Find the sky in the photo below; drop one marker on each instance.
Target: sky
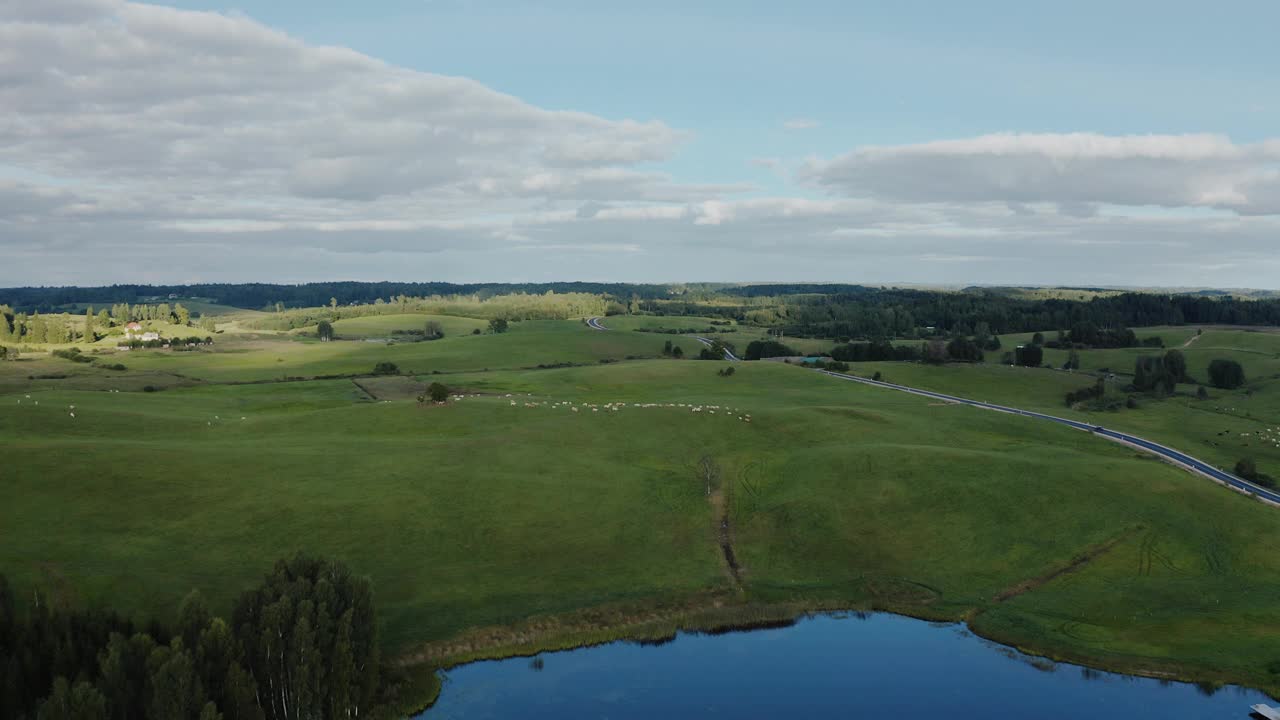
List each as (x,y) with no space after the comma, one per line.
(1127,143)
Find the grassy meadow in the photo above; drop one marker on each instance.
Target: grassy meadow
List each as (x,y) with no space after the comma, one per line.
(536,493)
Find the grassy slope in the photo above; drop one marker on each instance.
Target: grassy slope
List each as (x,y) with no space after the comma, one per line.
(739,338)
(382,325)
(1224,428)
(528,344)
(483,513)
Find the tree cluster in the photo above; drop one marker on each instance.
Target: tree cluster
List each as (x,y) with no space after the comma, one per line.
(1247,468)
(1029,355)
(1097,391)
(1226,374)
(303,644)
(1160,373)
(759,349)
(963,349)
(874,351)
(386,368)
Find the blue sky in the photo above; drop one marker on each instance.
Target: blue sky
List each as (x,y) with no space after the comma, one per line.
(777,104)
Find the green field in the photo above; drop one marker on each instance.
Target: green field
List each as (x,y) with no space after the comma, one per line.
(738,335)
(382,326)
(507,505)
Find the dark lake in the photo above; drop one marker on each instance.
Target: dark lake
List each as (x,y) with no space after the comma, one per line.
(875,666)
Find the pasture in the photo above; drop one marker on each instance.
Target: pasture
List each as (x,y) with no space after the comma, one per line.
(534,492)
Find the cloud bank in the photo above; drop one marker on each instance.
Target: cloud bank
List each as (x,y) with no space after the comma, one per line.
(155,144)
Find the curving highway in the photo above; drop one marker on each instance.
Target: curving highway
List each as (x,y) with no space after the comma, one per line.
(594,324)
(728,355)
(1167,453)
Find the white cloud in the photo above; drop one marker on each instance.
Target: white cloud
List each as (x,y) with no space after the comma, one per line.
(129,93)
(800,124)
(1074,170)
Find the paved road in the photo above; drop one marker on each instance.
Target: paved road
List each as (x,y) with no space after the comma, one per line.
(1178,458)
(727,354)
(594,324)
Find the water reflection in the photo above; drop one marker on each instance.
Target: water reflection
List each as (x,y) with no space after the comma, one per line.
(837,666)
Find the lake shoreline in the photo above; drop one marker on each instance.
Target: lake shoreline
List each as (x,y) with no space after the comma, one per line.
(719,613)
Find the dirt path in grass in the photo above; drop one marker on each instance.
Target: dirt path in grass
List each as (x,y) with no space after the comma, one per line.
(1190,340)
(1078,562)
(724,536)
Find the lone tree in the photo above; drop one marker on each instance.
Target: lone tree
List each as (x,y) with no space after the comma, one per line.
(437,392)
(324,331)
(498,325)
(1226,374)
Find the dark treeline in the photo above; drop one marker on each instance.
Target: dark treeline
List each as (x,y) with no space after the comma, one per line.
(874,351)
(851,311)
(260,295)
(870,313)
(301,645)
(760,349)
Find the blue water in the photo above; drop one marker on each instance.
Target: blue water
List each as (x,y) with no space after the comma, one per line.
(876,666)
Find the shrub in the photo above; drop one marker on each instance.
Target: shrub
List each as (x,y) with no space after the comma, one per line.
(726,372)
(386,368)
(1247,468)
(72,354)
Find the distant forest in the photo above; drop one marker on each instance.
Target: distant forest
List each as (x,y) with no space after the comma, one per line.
(871,313)
(808,310)
(258,296)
